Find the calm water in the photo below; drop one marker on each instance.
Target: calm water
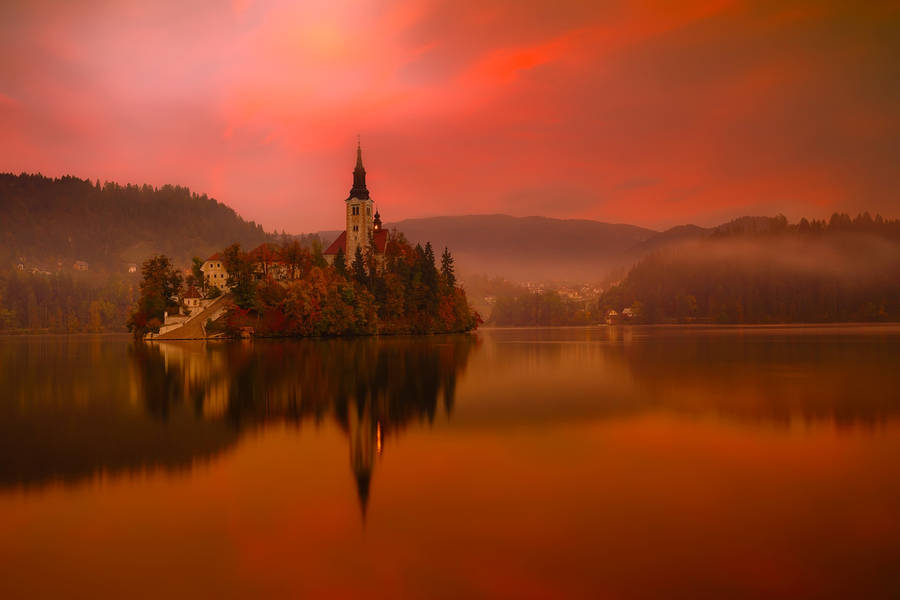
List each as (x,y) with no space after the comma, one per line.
(606,462)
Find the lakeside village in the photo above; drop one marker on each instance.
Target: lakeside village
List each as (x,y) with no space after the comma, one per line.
(368,281)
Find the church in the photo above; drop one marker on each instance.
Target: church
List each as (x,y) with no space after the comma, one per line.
(363,228)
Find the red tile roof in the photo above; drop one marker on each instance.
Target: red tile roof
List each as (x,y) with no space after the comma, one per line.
(216,256)
(381,237)
(339,243)
(380,240)
(192,293)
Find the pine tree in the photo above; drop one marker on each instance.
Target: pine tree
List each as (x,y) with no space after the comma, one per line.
(447,269)
(340,263)
(359,267)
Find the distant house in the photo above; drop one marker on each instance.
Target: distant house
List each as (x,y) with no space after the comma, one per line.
(132,268)
(627,313)
(612,317)
(80,265)
(20,266)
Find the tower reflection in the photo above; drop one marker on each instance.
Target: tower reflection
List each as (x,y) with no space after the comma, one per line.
(371,388)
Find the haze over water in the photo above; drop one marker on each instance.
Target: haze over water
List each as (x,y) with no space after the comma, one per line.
(588,462)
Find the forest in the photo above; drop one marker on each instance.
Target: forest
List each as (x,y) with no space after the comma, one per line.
(547,308)
(759,270)
(64,302)
(407,293)
(49,223)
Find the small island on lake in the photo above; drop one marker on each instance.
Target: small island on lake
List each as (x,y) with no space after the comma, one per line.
(369,281)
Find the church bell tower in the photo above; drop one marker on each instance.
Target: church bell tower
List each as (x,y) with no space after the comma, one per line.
(359,210)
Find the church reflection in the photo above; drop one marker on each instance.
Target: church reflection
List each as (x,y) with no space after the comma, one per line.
(371,388)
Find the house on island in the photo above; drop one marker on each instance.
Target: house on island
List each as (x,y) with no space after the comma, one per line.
(214,272)
(267,262)
(363,223)
(191,298)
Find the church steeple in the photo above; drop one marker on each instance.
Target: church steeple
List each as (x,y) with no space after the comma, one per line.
(359,189)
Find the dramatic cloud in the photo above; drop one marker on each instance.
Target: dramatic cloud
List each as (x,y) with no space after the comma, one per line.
(653,113)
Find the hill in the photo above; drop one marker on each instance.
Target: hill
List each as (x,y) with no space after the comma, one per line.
(525,248)
(765,270)
(50,222)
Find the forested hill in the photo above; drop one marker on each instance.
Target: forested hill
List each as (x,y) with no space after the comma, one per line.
(48,221)
(765,270)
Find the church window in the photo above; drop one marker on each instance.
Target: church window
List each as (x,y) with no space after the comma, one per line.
(354,210)
(356,228)
(368,210)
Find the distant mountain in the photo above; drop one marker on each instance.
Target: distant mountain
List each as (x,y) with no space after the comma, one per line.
(525,248)
(664,239)
(44,222)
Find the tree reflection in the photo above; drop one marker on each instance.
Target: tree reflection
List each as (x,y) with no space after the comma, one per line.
(371,388)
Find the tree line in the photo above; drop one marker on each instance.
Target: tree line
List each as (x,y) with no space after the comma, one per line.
(64,302)
(545,308)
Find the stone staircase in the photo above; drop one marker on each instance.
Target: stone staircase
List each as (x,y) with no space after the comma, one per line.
(194,328)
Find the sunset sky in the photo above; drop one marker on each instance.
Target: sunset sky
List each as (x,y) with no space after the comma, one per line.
(653,113)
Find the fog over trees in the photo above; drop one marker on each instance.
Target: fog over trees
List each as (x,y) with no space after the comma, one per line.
(759,270)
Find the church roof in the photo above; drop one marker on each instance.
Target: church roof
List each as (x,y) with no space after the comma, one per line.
(380,240)
(341,242)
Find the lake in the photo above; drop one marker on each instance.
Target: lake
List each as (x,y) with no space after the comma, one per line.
(625,462)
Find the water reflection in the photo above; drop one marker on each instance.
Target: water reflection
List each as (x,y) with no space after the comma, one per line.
(845,376)
(371,388)
(604,462)
(75,407)
(78,408)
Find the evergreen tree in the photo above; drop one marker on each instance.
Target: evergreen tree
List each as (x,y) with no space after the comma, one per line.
(359,267)
(160,286)
(340,263)
(447,271)
(196,277)
(318,258)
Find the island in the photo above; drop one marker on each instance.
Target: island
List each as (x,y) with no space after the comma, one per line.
(369,281)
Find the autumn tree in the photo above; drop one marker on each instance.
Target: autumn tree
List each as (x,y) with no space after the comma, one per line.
(240,276)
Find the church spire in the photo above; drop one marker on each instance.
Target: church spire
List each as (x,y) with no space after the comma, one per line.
(359,189)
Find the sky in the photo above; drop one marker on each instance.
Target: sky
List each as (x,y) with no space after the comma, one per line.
(651,113)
